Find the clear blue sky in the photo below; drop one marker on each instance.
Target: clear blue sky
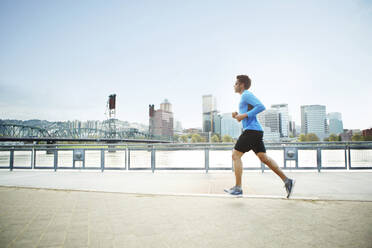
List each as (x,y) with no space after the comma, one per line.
(59,60)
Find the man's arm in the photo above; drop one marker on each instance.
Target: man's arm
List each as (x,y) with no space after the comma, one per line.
(257,107)
(241,117)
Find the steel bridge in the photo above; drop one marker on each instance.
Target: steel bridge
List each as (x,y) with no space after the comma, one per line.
(16,132)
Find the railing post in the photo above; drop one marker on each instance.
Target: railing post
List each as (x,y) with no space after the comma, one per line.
(33,158)
(11,162)
(128,158)
(102,160)
(319,158)
(349,156)
(55,159)
(206,159)
(346,163)
(84,159)
(153,159)
(296,158)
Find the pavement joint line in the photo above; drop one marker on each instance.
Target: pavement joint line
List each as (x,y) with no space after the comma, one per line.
(43,233)
(22,231)
(193,195)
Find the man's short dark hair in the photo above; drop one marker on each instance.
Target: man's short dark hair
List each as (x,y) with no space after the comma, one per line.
(244,79)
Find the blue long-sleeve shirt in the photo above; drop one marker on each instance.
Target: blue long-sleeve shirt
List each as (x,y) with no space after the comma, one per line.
(250,105)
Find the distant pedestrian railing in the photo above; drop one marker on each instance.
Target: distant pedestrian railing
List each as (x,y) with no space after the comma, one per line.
(184,156)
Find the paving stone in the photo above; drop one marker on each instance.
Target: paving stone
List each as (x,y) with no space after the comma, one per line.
(133,220)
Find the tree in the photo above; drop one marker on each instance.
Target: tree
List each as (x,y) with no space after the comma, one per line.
(184,138)
(226,138)
(367,138)
(215,138)
(312,137)
(176,138)
(357,137)
(195,138)
(302,138)
(333,137)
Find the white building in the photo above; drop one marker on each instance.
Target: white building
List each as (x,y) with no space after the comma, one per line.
(270,136)
(177,126)
(270,122)
(230,126)
(166,106)
(209,104)
(313,120)
(335,123)
(209,114)
(283,118)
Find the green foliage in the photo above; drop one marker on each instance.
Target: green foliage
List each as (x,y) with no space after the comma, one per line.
(312,137)
(227,138)
(302,138)
(184,138)
(195,138)
(357,137)
(333,137)
(215,138)
(308,137)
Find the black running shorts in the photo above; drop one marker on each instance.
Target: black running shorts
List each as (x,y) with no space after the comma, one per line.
(250,140)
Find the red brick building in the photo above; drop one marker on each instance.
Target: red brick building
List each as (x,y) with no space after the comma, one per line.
(161,120)
(367,132)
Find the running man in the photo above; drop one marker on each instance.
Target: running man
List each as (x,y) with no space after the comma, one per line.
(251,138)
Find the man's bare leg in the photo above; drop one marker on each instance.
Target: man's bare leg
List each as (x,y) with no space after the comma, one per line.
(288,183)
(238,166)
(271,164)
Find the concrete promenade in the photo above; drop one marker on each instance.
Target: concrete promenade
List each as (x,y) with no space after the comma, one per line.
(183,209)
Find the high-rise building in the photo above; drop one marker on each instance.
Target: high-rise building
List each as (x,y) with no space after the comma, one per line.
(230,126)
(270,136)
(270,122)
(335,123)
(166,106)
(161,120)
(209,113)
(177,126)
(270,118)
(292,129)
(217,123)
(283,118)
(209,103)
(313,120)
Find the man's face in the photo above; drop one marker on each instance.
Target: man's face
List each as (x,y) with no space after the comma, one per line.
(237,86)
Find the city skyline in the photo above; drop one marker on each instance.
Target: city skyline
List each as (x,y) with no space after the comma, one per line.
(61,60)
(217,112)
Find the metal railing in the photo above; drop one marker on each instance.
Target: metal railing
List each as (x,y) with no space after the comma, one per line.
(208,156)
